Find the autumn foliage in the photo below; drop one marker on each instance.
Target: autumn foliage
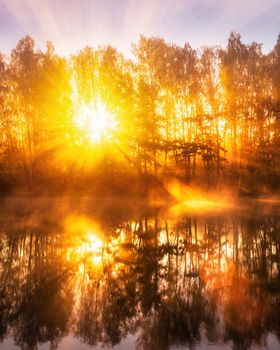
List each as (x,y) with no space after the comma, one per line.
(208,116)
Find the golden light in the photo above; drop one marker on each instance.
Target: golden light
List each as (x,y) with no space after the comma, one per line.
(93,247)
(94,120)
(85,238)
(221,123)
(89,249)
(191,200)
(94,243)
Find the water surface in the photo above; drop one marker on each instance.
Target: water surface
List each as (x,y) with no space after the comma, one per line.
(138,278)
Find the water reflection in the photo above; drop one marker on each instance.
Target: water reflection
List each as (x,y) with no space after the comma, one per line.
(156,281)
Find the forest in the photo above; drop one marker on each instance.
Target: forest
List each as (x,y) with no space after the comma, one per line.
(97,121)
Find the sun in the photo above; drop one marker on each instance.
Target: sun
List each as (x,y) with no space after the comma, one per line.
(95,121)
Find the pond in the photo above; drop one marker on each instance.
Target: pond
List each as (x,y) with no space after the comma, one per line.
(130,276)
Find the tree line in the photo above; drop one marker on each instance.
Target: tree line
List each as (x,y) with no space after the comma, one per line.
(207,116)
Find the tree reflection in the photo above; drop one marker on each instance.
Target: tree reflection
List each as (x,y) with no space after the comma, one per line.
(43,310)
(168,282)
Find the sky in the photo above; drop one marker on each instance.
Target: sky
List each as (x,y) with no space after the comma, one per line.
(73,24)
